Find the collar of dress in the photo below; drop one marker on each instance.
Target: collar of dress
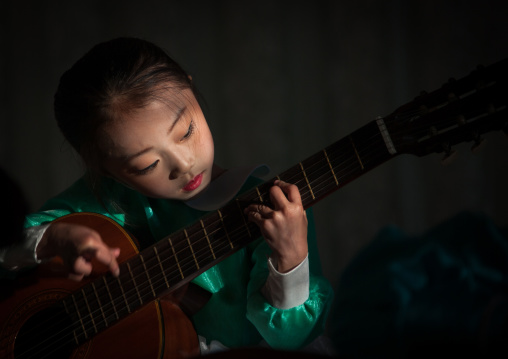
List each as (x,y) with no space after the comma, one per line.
(225,187)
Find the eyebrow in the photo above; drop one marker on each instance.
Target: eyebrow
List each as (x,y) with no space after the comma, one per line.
(175,121)
(177,118)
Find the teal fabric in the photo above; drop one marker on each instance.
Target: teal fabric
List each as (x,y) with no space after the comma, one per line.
(442,292)
(237,314)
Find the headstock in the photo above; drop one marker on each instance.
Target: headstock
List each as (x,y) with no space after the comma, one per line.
(460,111)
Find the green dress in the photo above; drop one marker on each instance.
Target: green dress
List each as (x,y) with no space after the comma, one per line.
(237,314)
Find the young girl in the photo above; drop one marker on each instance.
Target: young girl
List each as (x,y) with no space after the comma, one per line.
(132,114)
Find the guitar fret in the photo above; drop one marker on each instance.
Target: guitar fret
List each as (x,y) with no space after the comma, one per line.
(147,275)
(123,295)
(192,249)
(307,180)
(356,152)
(134,281)
(176,258)
(110,297)
(386,136)
(259,195)
(89,310)
(162,268)
(207,238)
(79,316)
(225,230)
(75,337)
(100,304)
(243,217)
(331,168)
(66,308)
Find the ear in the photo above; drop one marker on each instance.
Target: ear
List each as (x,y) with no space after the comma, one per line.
(190,77)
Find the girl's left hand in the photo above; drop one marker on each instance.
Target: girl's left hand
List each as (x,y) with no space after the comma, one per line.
(284,227)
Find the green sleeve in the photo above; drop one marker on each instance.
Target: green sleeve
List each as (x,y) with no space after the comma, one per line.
(123,205)
(292,328)
(76,198)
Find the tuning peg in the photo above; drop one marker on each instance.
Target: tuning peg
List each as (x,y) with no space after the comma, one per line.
(461,120)
(450,154)
(449,157)
(479,142)
(452,97)
(478,146)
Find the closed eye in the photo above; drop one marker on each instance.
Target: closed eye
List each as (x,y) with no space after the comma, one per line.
(190,131)
(147,169)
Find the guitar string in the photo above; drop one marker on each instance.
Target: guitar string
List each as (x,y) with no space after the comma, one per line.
(303,196)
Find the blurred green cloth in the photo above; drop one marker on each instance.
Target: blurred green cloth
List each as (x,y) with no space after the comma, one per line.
(442,292)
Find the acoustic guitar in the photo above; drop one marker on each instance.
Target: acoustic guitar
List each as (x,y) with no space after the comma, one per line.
(45,316)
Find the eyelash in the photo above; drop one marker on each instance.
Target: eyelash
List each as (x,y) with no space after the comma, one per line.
(190,131)
(147,169)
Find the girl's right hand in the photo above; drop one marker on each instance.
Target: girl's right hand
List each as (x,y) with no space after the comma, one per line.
(77,245)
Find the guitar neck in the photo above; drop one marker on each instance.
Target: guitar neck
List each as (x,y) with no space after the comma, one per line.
(338,164)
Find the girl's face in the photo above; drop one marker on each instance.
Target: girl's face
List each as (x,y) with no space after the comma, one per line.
(162,150)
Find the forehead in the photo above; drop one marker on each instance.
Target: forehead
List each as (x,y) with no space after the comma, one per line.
(173,97)
(137,127)
(123,105)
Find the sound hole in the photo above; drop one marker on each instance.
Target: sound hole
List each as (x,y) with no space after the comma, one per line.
(47,334)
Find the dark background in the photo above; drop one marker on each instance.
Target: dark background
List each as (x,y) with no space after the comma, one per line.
(282,80)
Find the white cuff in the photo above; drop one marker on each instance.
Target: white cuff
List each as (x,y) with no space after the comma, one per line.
(287,290)
(23,254)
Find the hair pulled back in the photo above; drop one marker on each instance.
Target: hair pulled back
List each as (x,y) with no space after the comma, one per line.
(113,78)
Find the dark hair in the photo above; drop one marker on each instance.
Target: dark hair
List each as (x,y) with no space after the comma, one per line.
(113,78)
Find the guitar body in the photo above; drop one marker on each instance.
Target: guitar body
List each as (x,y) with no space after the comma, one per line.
(158,329)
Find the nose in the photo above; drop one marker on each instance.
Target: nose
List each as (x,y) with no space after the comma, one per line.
(180,164)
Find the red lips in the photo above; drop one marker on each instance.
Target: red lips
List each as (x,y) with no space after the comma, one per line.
(194,183)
